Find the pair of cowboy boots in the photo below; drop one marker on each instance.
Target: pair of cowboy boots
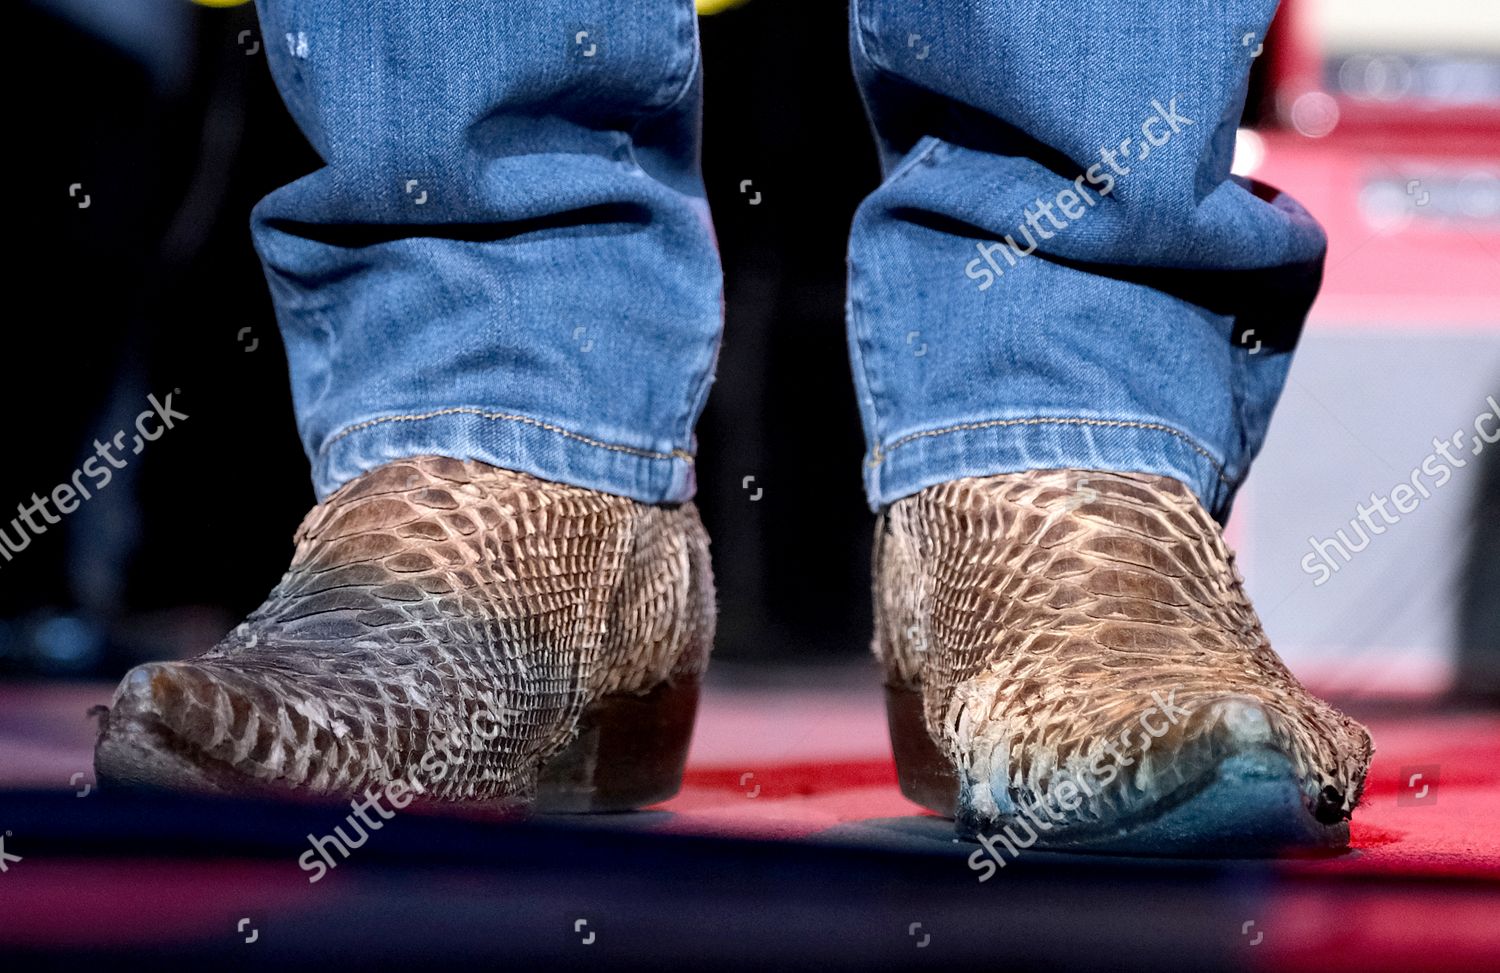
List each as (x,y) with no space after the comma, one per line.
(1090,670)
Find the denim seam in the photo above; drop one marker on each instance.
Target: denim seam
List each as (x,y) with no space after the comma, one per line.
(856,14)
(1238,386)
(881,453)
(507,417)
(862,334)
(695,66)
(917,158)
(684,86)
(699,397)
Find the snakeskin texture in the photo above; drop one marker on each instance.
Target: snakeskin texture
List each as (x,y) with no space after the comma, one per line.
(428,600)
(1039,612)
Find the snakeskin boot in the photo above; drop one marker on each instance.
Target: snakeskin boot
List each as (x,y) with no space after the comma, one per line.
(484,635)
(1072,663)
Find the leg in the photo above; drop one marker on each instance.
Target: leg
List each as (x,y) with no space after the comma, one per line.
(500,301)
(507,255)
(1069,326)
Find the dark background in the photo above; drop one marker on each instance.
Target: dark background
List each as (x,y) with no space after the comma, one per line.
(150,288)
(174,130)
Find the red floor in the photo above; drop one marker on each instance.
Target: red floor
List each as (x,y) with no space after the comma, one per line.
(797,763)
(803,761)
(813,763)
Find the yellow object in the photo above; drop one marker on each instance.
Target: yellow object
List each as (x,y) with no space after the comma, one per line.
(221,3)
(706,7)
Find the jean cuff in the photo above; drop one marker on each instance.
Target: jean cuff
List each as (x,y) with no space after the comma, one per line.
(521,443)
(911,462)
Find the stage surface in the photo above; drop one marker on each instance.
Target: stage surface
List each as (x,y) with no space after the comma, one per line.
(789,846)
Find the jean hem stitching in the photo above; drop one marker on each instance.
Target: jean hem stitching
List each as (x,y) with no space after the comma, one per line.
(508,417)
(687,82)
(881,453)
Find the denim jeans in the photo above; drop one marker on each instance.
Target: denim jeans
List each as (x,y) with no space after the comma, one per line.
(507,255)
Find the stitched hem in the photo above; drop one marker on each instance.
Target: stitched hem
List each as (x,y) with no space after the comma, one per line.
(879,454)
(912,462)
(681,454)
(510,441)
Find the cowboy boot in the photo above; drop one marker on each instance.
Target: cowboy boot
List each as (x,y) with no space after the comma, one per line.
(546,640)
(1075,665)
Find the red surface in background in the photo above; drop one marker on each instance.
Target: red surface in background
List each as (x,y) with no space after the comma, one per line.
(1402,273)
(792,764)
(1410,272)
(1448,834)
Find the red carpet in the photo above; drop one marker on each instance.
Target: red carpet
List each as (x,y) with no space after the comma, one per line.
(798,763)
(809,767)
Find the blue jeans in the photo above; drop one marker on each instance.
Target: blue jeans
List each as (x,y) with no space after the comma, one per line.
(508,256)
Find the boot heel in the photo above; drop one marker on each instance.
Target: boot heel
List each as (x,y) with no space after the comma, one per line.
(925,775)
(630,752)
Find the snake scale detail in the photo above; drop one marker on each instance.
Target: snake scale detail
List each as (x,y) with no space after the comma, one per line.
(428,598)
(1040,614)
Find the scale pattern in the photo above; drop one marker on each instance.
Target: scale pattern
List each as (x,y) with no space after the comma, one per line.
(432,607)
(1038,613)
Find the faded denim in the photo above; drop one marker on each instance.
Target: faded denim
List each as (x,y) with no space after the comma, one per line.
(507,255)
